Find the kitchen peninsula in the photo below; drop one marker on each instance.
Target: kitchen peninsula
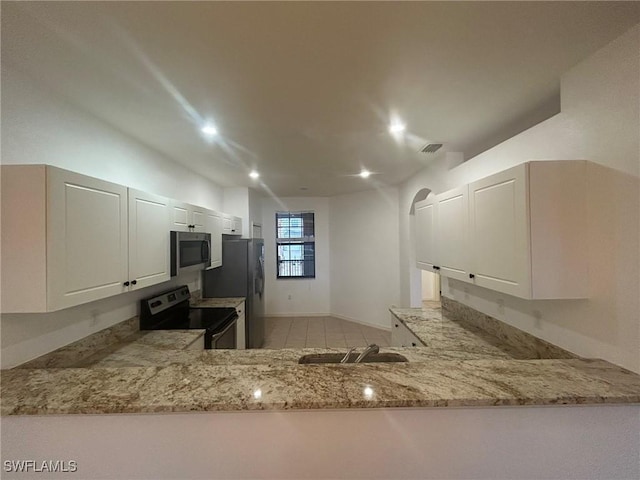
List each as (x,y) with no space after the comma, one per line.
(461,365)
(144,388)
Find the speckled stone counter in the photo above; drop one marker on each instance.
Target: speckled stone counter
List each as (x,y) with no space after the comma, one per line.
(182,388)
(458,367)
(227,302)
(466,340)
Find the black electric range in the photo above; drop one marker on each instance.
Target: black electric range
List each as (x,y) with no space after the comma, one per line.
(170,310)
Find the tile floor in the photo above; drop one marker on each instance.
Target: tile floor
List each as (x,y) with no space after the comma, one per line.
(300,332)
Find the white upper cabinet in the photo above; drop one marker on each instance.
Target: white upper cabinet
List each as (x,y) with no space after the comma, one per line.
(86,239)
(149,252)
(213,225)
(69,239)
(452,242)
(198,219)
(520,231)
(236,226)
(442,233)
(425,218)
(187,218)
(231,225)
(499,229)
(64,239)
(227,222)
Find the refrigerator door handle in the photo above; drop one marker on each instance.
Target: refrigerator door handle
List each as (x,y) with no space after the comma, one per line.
(260,279)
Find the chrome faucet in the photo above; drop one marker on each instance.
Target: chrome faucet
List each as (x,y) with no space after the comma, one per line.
(373,348)
(345,359)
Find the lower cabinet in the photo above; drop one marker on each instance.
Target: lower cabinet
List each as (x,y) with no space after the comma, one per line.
(241,342)
(401,336)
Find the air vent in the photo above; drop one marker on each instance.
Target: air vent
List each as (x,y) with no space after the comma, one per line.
(431,148)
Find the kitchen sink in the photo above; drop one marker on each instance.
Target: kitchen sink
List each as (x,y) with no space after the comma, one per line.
(336,357)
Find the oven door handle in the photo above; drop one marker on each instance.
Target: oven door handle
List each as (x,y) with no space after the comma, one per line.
(216,336)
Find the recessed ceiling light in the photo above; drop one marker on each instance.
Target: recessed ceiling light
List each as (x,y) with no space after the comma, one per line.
(254,174)
(397,127)
(365,173)
(209,129)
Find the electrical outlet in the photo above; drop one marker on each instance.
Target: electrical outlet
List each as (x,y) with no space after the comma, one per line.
(289,297)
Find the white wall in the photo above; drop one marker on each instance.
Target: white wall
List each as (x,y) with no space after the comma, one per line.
(38,127)
(563,442)
(430,286)
(245,203)
(296,297)
(255,210)
(365,255)
(600,121)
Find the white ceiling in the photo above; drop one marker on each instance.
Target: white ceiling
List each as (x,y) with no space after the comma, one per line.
(304,92)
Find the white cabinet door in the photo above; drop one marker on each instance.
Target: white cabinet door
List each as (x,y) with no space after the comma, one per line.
(452,218)
(149,226)
(236,226)
(241,342)
(401,336)
(87,245)
(425,218)
(187,218)
(397,332)
(213,225)
(499,232)
(180,220)
(198,219)
(227,224)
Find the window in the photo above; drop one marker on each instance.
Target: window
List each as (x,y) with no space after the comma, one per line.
(295,238)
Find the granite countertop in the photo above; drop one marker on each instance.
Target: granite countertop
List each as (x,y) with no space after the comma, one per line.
(146,348)
(226,302)
(457,367)
(183,388)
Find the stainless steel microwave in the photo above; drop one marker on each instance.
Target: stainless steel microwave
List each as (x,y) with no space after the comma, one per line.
(190,251)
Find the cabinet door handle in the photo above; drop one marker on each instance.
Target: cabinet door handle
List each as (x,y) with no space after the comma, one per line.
(396,325)
(472,276)
(435,267)
(133,282)
(126,284)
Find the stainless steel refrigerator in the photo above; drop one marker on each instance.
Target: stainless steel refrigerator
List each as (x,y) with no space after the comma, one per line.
(241,275)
